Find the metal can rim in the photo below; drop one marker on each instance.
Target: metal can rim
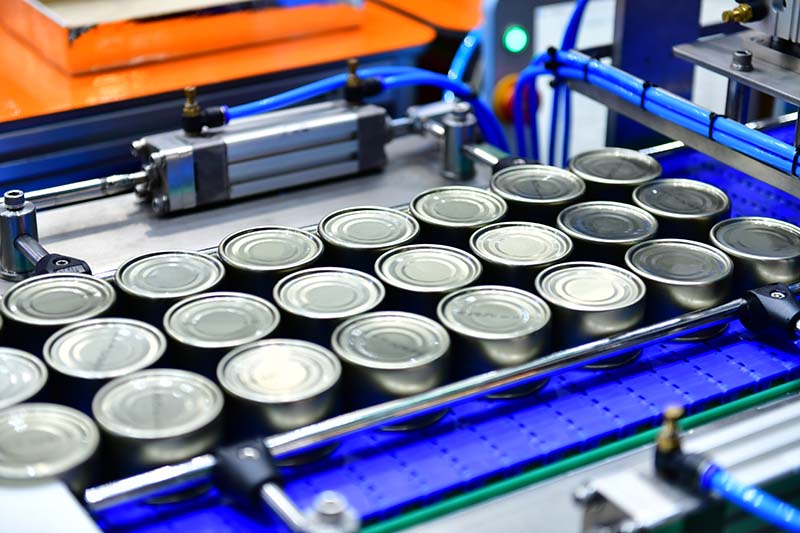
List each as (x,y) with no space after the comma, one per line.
(774,222)
(506,195)
(415,288)
(372,280)
(572,233)
(40,367)
(578,307)
(473,240)
(699,185)
(424,217)
(617,152)
(667,281)
(216,263)
(330,239)
(250,268)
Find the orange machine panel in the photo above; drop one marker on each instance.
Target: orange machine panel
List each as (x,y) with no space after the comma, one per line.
(31,86)
(453,15)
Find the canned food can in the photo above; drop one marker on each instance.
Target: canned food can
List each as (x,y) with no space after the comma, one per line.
(157,417)
(591,301)
(613,173)
(278,385)
(495,327)
(417,276)
(85,356)
(43,440)
(256,258)
(37,307)
(203,328)
(314,301)
(22,376)
(449,215)
(513,253)
(764,250)
(391,354)
(603,231)
(685,209)
(682,276)
(153,282)
(537,193)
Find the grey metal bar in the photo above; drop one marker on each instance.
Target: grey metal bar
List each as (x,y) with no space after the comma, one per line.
(276,499)
(484,153)
(82,191)
(30,248)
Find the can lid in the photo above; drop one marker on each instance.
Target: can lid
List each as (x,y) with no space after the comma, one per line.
(21,376)
(428,268)
(681,198)
(39,440)
(586,286)
(619,166)
(390,340)
(493,312)
(678,261)
(368,228)
(520,244)
(57,299)
(278,371)
(609,222)
(220,320)
(269,248)
(458,207)
(156,404)
(328,293)
(104,348)
(169,274)
(757,238)
(537,184)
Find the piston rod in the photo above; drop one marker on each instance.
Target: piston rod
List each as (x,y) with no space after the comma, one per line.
(169,477)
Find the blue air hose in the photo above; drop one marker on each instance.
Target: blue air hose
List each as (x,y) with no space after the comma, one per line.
(463,58)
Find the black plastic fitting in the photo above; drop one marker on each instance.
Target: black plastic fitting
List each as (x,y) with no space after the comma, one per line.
(212,117)
(773,310)
(61,264)
(242,469)
(355,94)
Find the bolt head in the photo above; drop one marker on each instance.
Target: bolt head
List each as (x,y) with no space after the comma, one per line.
(248,452)
(778,295)
(14,199)
(61,262)
(160,204)
(330,503)
(742,60)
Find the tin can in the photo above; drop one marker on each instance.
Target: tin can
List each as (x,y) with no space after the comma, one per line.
(157,417)
(613,173)
(203,328)
(37,307)
(278,385)
(22,376)
(682,276)
(391,354)
(603,231)
(591,301)
(357,236)
(417,276)
(495,327)
(85,356)
(314,301)
(764,250)
(43,440)
(153,282)
(685,209)
(537,193)
(513,253)
(256,258)
(449,215)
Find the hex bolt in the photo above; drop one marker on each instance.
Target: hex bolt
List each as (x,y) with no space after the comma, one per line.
(332,513)
(778,295)
(14,199)
(742,61)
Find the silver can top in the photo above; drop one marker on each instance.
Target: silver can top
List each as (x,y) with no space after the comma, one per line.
(21,376)
(607,222)
(390,340)
(278,371)
(586,286)
(428,268)
(678,261)
(493,312)
(220,320)
(326,293)
(40,440)
(57,299)
(270,248)
(617,166)
(537,184)
(169,274)
(757,238)
(104,348)
(157,404)
(370,228)
(520,244)
(458,207)
(681,198)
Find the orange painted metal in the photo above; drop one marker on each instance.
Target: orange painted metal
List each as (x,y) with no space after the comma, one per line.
(451,15)
(31,86)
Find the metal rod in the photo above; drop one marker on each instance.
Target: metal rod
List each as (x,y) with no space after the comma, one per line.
(737,103)
(276,499)
(82,191)
(321,433)
(30,248)
(484,153)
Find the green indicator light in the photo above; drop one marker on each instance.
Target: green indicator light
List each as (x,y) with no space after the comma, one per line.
(515,39)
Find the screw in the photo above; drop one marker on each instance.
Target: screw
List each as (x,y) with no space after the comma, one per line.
(330,504)
(778,295)
(14,199)
(461,111)
(742,60)
(61,262)
(160,204)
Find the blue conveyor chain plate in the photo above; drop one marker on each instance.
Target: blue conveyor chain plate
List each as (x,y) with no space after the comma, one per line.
(384,473)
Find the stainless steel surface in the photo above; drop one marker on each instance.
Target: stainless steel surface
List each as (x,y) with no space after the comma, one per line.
(612,173)
(782,20)
(17,218)
(737,101)
(22,376)
(537,193)
(460,127)
(274,497)
(756,169)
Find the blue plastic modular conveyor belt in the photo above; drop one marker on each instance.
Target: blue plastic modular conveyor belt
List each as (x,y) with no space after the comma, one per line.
(383,473)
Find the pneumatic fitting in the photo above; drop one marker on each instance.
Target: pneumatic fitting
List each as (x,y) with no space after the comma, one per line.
(194,119)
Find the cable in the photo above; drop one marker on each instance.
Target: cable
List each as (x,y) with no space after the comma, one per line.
(463,58)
